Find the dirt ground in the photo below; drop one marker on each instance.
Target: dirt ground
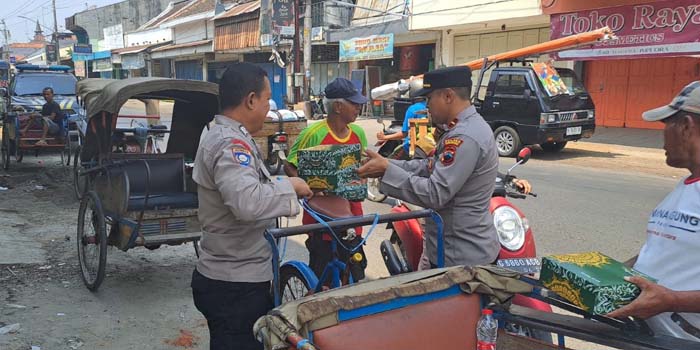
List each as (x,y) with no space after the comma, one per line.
(145,297)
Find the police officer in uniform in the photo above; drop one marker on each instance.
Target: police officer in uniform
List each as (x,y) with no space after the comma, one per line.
(238,200)
(457,181)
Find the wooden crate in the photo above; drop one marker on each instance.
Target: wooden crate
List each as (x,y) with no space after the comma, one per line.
(292,128)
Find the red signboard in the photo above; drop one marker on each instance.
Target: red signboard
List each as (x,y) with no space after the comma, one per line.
(662,28)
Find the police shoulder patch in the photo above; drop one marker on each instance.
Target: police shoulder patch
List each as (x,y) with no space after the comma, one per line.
(453,141)
(241,155)
(242,144)
(448,155)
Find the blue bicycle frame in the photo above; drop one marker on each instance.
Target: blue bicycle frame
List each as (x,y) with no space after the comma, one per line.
(272,235)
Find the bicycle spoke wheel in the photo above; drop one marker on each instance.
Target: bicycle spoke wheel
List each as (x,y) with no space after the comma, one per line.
(92,241)
(293,285)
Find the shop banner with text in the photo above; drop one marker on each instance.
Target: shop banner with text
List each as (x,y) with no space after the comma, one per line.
(368,48)
(661,28)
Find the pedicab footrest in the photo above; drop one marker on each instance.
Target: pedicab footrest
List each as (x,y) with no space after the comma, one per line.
(181,200)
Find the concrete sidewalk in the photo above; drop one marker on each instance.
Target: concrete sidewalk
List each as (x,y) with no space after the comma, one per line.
(628,137)
(618,149)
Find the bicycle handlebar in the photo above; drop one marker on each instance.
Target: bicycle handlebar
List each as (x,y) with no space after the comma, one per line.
(341,224)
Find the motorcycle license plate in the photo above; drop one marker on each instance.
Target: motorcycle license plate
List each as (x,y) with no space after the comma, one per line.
(522,265)
(279,147)
(575,130)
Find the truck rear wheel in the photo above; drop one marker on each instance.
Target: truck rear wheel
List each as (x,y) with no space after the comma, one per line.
(507,141)
(553,146)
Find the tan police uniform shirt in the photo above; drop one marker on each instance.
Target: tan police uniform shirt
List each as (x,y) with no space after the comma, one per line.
(458,183)
(238,200)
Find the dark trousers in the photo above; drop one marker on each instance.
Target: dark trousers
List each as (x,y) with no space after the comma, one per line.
(231,309)
(320,254)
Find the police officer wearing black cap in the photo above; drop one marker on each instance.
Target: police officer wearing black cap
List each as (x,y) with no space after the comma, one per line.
(457,181)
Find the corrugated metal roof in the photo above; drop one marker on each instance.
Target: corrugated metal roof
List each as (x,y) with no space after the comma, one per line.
(165,15)
(130,49)
(180,46)
(139,48)
(198,6)
(240,9)
(238,35)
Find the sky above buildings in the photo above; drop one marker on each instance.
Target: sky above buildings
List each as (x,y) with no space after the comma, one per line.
(22,29)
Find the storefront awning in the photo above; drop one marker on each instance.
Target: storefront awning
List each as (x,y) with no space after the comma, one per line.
(78,57)
(102,65)
(102,55)
(133,61)
(99,55)
(131,49)
(194,47)
(397,27)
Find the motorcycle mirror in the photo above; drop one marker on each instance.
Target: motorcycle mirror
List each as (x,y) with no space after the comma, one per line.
(524,155)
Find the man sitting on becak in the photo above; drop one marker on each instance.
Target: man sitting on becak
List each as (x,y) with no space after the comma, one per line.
(343,103)
(50,119)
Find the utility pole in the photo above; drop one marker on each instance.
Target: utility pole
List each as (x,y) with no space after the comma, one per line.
(297,52)
(6,45)
(307,50)
(55,33)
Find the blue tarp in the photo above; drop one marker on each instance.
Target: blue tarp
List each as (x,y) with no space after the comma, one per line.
(101,54)
(91,56)
(77,57)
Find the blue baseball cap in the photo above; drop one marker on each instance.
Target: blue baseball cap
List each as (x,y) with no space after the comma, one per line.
(345,89)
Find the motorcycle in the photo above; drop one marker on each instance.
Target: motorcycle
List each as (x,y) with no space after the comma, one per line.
(277,147)
(402,251)
(318,111)
(387,147)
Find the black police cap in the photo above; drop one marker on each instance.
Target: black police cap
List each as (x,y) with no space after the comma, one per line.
(450,77)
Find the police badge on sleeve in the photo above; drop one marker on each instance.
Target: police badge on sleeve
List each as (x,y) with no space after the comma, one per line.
(242,156)
(450,150)
(241,152)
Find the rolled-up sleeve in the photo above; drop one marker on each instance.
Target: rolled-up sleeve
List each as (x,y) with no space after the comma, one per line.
(249,198)
(437,190)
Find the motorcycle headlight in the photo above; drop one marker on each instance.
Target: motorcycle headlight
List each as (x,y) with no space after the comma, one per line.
(510,227)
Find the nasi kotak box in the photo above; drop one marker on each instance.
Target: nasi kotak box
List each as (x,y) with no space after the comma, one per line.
(333,169)
(592,281)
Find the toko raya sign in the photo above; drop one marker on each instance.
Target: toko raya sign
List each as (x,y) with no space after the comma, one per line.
(663,28)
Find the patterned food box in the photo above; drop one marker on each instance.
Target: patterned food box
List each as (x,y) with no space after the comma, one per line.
(592,281)
(333,169)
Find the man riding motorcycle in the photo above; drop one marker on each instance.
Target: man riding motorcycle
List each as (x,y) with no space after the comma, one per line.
(418,110)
